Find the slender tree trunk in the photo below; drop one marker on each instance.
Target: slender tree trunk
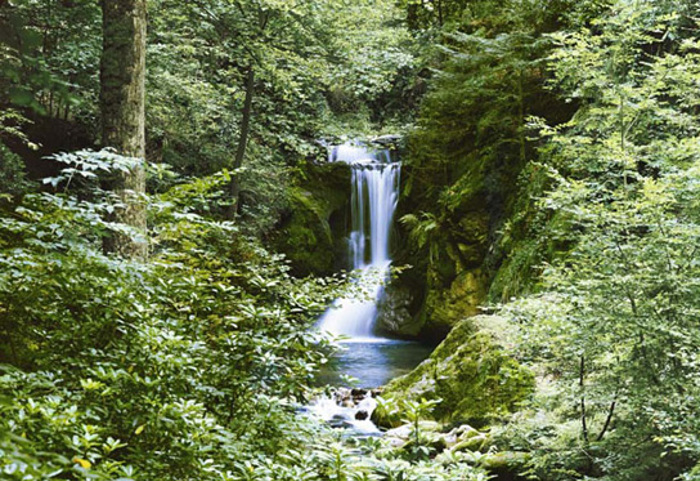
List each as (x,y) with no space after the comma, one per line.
(412,16)
(234,186)
(608,419)
(582,373)
(122,98)
(521,118)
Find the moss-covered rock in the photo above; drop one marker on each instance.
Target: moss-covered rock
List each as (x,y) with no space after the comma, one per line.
(454,282)
(313,228)
(506,465)
(444,308)
(472,372)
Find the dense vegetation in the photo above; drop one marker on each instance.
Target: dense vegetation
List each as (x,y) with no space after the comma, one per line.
(152,327)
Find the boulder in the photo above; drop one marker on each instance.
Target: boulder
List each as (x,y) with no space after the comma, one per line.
(506,465)
(473,374)
(394,317)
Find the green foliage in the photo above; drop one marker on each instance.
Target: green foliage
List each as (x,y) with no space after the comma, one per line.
(614,331)
(188,366)
(199,54)
(145,371)
(50,55)
(555,154)
(377,64)
(471,142)
(12,176)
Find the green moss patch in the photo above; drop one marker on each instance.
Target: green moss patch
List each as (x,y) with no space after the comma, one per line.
(472,372)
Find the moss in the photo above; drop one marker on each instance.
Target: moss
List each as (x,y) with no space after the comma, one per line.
(312,231)
(307,238)
(472,372)
(445,308)
(506,465)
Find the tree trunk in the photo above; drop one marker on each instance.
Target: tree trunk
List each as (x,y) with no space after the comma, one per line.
(122,98)
(412,19)
(234,186)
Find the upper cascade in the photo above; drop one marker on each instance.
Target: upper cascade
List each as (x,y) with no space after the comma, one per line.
(357,153)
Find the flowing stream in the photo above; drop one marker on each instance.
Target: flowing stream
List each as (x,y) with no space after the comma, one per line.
(370,359)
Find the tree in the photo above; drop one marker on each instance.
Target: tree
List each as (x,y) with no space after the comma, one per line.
(257,36)
(615,326)
(122,95)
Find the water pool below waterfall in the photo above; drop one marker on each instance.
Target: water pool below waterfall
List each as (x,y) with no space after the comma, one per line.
(375,363)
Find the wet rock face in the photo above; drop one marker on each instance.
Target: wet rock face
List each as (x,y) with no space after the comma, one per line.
(361,415)
(394,317)
(353,397)
(444,308)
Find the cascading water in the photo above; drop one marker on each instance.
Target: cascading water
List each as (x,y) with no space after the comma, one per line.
(375,193)
(371,360)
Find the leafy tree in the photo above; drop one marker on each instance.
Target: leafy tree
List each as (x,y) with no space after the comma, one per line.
(616,326)
(50,56)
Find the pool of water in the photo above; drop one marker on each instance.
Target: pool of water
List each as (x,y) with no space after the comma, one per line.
(374,362)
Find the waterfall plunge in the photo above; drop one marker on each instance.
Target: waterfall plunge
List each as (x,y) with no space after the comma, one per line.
(375,193)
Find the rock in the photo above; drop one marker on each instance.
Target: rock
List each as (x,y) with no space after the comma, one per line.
(394,314)
(472,372)
(444,308)
(506,465)
(432,440)
(396,442)
(389,139)
(478,442)
(450,439)
(402,436)
(312,230)
(465,431)
(459,434)
(357,393)
(405,430)
(361,415)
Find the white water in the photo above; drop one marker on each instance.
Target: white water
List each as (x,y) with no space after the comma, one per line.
(328,409)
(375,193)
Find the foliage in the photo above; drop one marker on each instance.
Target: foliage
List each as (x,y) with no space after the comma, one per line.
(199,54)
(13,180)
(50,54)
(555,157)
(377,65)
(614,331)
(471,141)
(154,370)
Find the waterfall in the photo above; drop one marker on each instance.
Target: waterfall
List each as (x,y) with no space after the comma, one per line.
(375,193)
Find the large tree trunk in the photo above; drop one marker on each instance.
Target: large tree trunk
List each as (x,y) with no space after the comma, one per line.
(122,97)
(234,186)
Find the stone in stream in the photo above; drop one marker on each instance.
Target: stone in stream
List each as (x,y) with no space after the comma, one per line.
(361,415)
(358,395)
